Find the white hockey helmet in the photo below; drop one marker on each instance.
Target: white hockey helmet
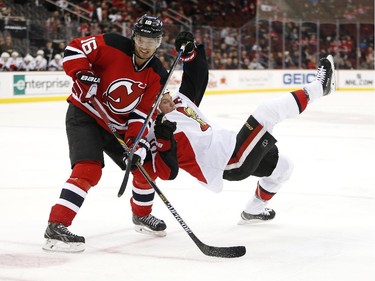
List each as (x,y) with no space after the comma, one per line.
(5,55)
(28,58)
(15,54)
(38,59)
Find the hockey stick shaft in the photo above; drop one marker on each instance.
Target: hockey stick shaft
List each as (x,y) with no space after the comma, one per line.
(223,252)
(158,97)
(144,126)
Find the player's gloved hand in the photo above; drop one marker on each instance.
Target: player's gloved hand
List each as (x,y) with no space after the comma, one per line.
(164,129)
(187,38)
(140,152)
(85,85)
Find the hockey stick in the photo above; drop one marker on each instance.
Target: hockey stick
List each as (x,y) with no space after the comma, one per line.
(221,252)
(154,106)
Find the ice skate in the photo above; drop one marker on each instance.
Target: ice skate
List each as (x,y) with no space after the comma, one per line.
(149,225)
(267,214)
(326,75)
(60,239)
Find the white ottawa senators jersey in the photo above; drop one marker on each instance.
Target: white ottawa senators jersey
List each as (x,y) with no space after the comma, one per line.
(201,157)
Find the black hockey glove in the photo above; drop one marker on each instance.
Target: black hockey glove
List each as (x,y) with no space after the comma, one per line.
(140,152)
(85,85)
(164,133)
(187,38)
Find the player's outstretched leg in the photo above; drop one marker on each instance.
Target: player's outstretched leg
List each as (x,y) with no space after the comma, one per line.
(149,225)
(60,239)
(326,76)
(256,209)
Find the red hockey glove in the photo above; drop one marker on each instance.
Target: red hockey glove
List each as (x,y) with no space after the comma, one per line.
(140,152)
(187,38)
(164,133)
(85,85)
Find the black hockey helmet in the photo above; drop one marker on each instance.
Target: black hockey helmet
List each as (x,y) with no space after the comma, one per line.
(148,26)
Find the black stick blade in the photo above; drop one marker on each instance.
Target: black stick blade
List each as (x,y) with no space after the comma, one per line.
(223,252)
(220,252)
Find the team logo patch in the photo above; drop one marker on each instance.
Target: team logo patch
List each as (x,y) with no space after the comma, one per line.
(123,95)
(189,112)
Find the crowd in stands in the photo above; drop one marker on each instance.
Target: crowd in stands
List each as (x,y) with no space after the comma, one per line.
(216,23)
(47,58)
(297,46)
(14,62)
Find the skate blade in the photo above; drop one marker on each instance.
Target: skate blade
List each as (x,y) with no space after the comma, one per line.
(253,221)
(145,230)
(333,78)
(53,245)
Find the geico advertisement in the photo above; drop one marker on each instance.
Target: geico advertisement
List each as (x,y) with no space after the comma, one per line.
(297,78)
(260,79)
(40,84)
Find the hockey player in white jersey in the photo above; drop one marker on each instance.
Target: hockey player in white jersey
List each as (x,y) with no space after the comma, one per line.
(211,153)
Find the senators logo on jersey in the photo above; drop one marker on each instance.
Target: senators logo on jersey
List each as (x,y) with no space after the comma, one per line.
(189,112)
(123,95)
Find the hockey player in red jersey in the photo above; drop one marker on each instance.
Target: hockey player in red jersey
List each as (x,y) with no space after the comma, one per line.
(211,153)
(125,77)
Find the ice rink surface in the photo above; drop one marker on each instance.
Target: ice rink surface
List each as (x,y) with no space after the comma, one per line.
(324,227)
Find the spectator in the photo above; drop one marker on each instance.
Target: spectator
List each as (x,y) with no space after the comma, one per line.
(339,59)
(230,63)
(40,63)
(48,51)
(60,49)
(28,63)
(347,64)
(311,62)
(369,58)
(4,61)
(255,64)
(53,24)
(5,12)
(40,52)
(63,4)
(114,15)
(245,63)
(8,45)
(15,61)
(95,28)
(288,61)
(56,63)
(84,29)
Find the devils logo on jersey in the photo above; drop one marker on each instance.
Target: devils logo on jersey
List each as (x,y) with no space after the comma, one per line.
(123,95)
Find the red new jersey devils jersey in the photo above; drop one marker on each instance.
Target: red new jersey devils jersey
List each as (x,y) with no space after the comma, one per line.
(125,92)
